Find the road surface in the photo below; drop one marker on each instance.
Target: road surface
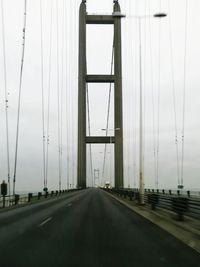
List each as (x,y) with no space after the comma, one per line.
(86,228)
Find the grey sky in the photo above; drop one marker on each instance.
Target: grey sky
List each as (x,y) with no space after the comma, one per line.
(30,168)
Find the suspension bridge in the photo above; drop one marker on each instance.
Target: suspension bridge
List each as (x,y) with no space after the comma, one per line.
(99,146)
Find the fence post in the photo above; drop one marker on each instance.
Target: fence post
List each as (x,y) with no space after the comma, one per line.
(29,197)
(16,199)
(39,195)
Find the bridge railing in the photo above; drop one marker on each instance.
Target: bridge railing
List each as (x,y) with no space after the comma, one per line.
(188,193)
(179,203)
(20,199)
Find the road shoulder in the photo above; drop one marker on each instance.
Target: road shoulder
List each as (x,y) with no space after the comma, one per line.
(184,231)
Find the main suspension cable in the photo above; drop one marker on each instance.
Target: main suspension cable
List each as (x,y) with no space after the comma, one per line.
(6,95)
(174,97)
(42,87)
(135,107)
(158,103)
(19,96)
(108,111)
(152,94)
(74,81)
(184,91)
(48,104)
(89,132)
(58,98)
(62,87)
(70,60)
(129,53)
(67,63)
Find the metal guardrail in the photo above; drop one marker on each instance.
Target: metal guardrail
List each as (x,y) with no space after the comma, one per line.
(188,193)
(181,204)
(31,197)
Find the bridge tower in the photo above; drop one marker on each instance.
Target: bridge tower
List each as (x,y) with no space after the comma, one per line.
(84,78)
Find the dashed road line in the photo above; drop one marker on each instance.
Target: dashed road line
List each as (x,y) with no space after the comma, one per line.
(44,222)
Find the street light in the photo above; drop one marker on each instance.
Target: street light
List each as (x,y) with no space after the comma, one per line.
(109,130)
(160,15)
(141,177)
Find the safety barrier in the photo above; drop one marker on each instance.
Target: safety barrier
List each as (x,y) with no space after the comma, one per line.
(31,197)
(179,203)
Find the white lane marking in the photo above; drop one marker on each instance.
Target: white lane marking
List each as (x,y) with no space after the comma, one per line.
(44,222)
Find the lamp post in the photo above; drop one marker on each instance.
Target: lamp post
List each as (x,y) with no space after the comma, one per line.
(141,177)
(110,130)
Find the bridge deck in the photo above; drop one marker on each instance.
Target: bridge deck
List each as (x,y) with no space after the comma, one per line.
(87,228)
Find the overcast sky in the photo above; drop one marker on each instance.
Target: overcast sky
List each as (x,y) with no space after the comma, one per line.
(156,36)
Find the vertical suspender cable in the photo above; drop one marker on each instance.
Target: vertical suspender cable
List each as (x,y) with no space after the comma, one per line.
(128,55)
(72,87)
(67,90)
(6,95)
(158,102)
(42,87)
(70,95)
(49,87)
(129,101)
(58,98)
(19,96)
(144,86)
(125,109)
(152,94)
(71,90)
(174,96)
(135,106)
(76,80)
(184,90)
(62,85)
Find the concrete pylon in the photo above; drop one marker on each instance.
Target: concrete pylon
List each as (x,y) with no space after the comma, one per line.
(84,78)
(118,99)
(82,99)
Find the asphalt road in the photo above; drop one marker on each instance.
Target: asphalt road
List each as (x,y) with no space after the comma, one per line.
(86,228)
